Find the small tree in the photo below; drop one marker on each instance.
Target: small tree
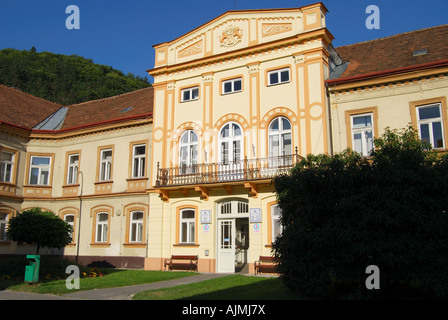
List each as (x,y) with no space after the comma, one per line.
(42,228)
(343,213)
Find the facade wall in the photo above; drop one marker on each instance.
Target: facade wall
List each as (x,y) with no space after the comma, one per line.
(119,196)
(393,106)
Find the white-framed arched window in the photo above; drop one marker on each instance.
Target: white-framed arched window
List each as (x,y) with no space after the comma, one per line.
(188,151)
(136,226)
(102,224)
(230,143)
(280,137)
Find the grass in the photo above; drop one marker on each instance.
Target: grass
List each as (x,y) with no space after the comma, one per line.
(233,287)
(116,278)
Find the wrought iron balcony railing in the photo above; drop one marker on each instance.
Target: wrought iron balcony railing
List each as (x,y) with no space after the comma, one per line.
(241,170)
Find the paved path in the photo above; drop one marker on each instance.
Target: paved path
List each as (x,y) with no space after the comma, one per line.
(121,293)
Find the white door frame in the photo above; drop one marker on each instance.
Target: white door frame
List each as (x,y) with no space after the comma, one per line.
(226,246)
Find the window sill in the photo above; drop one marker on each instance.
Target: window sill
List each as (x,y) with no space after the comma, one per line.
(104,182)
(100,244)
(135,245)
(186,245)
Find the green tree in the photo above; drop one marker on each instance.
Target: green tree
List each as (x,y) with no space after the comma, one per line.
(343,213)
(42,228)
(63,79)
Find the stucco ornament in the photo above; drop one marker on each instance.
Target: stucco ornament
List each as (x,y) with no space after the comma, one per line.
(231,36)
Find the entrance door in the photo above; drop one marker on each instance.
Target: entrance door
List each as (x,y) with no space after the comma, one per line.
(226,245)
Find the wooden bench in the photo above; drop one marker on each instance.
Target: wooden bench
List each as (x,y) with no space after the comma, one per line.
(182,262)
(265,264)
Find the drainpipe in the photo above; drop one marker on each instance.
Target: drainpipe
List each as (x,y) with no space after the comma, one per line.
(330,125)
(79,219)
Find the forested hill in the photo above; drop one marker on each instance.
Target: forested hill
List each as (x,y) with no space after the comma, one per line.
(63,79)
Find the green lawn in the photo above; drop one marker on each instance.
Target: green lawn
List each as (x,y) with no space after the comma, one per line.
(233,287)
(117,278)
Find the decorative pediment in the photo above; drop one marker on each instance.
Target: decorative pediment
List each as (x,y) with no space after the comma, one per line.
(240,30)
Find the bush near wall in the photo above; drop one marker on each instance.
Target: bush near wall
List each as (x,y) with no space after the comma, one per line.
(343,213)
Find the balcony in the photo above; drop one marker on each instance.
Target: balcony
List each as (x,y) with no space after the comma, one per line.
(234,171)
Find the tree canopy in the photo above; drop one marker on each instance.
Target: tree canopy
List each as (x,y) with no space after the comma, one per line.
(63,79)
(42,228)
(343,213)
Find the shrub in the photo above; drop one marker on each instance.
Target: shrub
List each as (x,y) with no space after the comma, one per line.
(343,213)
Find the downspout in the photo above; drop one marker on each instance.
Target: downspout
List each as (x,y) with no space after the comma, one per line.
(330,124)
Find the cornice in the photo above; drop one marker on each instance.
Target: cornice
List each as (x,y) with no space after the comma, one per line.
(321,33)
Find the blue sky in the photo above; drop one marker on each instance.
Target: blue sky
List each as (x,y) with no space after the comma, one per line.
(121,33)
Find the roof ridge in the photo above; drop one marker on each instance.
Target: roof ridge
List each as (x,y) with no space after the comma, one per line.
(29,94)
(107,98)
(393,36)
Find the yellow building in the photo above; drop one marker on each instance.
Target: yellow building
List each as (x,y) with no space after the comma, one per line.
(87,163)
(391,82)
(236,101)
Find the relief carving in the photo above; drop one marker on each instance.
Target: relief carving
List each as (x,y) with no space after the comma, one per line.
(270,29)
(191,49)
(231,36)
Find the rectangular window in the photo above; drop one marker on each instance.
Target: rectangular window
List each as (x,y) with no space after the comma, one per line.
(3,225)
(39,170)
(72,170)
(187,226)
(362,133)
(278,76)
(105,164)
(233,85)
(276,226)
(190,94)
(430,125)
(139,160)
(6,166)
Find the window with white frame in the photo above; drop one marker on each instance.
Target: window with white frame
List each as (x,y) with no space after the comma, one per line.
(39,170)
(278,76)
(136,227)
(102,223)
(105,164)
(188,152)
(430,125)
(72,170)
(230,143)
(3,225)
(187,226)
(190,94)
(275,220)
(280,137)
(70,220)
(362,133)
(139,160)
(232,85)
(6,166)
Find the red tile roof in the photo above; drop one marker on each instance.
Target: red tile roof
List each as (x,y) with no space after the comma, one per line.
(22,109)
(135,103)
(395,52)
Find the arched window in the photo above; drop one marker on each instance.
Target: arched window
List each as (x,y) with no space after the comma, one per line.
(69,218)
(187,226)
(280,137)
(188,152)
(230,143)
(102,222)
(136,225)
